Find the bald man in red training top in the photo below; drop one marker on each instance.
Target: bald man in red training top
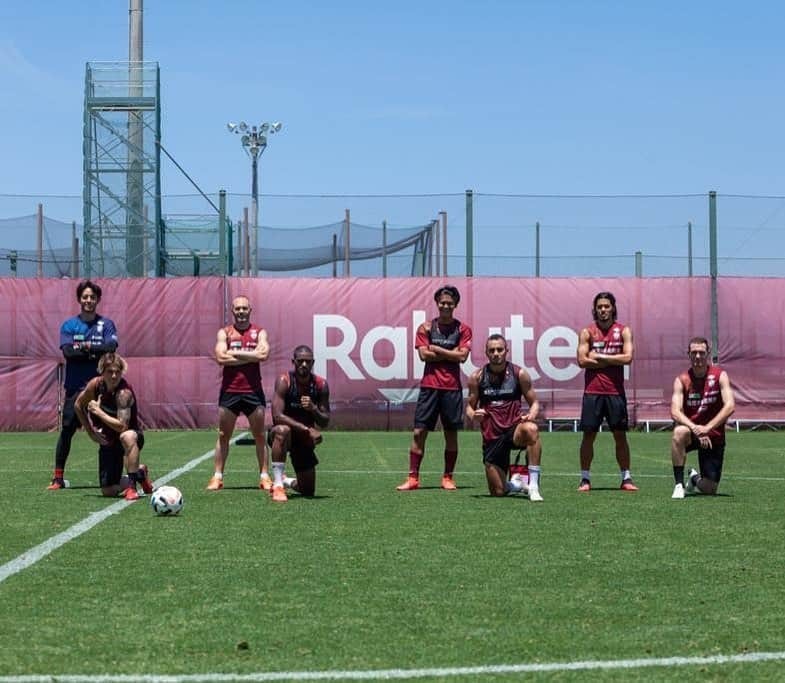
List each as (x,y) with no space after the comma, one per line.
(240,349)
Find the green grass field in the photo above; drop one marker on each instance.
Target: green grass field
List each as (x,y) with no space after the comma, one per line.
(363,578)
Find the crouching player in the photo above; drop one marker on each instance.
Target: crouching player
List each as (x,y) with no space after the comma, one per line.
(301,408)
(701,404)
(495,393)
(108,412)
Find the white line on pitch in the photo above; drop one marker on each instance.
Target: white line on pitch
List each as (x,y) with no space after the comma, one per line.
(30,557)
(401,674)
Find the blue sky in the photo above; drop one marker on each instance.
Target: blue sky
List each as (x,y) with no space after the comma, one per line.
(545,97)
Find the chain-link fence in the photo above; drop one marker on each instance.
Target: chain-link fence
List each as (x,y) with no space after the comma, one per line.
(461,233)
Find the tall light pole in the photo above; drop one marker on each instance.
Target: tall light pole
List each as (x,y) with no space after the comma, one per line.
(254,141)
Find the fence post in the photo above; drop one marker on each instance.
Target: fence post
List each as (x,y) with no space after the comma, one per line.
(469,233)
(13,260)
(435,249)
(246,244)
(715,328)
(638,264)
(689,248)
(347,245)
(384,248)
(39,271)
(74,251)
(223,235)
(335,255)
(144,254)
(537,249)
(443,215)
(240,246)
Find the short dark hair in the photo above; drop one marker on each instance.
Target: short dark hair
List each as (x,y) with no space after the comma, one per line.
(303,348)
(699,340)
(450,291)
(609,297)
(496,337)
(87,284)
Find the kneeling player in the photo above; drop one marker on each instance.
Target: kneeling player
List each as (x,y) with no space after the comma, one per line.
(701,404)
(495,393)
(301,404)
(107,410)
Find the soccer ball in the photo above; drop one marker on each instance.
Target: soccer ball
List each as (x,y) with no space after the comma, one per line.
(167,500)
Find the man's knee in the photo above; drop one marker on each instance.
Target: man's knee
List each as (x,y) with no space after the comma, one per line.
(256,421)
(281,433)
(526,434)
(620,436)
(419,435)
(681,435)
(226,422)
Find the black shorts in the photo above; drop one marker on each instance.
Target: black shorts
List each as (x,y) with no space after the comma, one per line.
(444,404)
(599,407)
(497,452)
(302,455)
(110,460)
(242,403)
(709,459)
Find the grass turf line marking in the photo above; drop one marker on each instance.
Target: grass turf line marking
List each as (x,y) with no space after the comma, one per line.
(400,674)
(30,557)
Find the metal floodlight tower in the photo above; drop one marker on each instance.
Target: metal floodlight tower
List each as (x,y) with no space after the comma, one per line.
(254,142)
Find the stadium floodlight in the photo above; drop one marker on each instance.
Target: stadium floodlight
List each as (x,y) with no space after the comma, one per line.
(254,142)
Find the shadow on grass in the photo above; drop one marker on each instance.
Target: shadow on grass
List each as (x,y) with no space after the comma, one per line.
(703,496)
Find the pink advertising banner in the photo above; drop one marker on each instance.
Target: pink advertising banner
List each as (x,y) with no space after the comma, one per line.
(362,334)
(362,331)
(752,344)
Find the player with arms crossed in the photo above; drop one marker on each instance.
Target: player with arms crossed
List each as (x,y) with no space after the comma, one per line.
(495,392)
(240,348)
(83,340)
(701,404)
(108,412)
(604,348)
(443,344)
(301,409)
